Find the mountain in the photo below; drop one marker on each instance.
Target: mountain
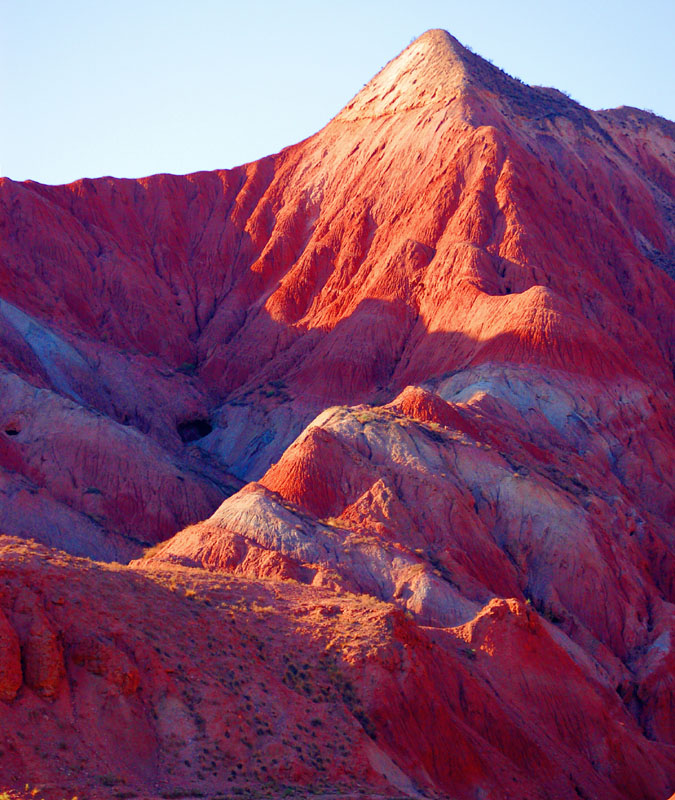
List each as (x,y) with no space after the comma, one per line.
(396,408)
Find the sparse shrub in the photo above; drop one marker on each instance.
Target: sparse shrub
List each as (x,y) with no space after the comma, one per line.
(331,522)
(155,548)
(110,780)
(434,431)
(259,608)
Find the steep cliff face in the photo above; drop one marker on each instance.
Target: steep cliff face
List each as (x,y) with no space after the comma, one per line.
(439,338)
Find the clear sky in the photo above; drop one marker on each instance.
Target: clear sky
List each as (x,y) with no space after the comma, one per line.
(133,87)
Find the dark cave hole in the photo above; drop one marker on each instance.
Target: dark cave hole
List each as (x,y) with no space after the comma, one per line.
(11,431)
(193,429)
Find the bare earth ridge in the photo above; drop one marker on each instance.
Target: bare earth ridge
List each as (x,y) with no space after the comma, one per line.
(395,409)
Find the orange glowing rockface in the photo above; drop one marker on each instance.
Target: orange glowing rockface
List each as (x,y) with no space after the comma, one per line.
(436,341)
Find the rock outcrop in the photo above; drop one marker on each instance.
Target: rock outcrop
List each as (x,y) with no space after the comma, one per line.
(10,660)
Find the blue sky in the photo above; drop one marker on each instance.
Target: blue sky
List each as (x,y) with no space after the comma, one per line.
(124,88)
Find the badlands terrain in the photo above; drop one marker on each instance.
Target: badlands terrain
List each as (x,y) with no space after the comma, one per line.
(349,472)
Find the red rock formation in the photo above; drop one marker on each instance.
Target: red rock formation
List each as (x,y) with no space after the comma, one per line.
(265,685)
(10,661)
(439,335)
(425,229)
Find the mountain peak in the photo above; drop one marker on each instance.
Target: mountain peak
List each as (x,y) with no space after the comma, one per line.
(432,70)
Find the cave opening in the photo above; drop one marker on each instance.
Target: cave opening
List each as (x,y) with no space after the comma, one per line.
(193,429)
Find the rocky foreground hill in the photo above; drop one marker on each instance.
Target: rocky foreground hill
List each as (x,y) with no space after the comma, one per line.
(394,411)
